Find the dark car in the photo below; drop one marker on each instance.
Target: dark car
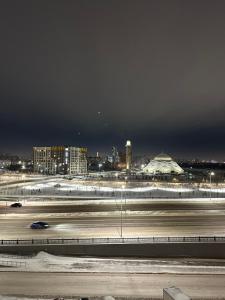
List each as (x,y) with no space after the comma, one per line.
(39,225)
(16,204)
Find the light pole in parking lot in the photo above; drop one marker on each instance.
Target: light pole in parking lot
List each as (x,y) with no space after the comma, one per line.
(210,183)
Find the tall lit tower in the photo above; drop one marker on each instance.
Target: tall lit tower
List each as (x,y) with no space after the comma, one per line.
(128,155)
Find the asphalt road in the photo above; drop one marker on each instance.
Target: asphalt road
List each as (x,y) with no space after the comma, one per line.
(151,206)
(89,226)
(162,218)
(136,285)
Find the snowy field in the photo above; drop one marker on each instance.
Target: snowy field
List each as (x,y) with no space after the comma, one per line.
(62,185)
(22,298)
(129,189)
(44,262)
(80,187)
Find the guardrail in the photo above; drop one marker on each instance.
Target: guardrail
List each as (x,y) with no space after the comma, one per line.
(96,241)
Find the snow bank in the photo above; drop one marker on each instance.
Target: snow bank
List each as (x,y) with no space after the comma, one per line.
(20,298)
(44,262)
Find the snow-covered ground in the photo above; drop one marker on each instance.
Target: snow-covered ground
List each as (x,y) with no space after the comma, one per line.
(21,298)
(107,187)
(113,186)
(59,186)
(44,262)
(79,187)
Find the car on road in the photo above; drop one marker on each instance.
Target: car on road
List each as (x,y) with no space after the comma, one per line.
(16,204)
(57,185)
(39,225)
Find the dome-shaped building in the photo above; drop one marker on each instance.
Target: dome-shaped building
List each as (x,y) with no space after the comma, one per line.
(162,164)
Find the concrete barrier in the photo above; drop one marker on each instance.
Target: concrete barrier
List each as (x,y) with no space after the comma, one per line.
(166,250)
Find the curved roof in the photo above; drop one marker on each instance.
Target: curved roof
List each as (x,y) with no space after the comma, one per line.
(162,164)
(163,156)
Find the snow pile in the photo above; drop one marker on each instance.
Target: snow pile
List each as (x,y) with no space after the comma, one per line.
(44,262)
(20,298)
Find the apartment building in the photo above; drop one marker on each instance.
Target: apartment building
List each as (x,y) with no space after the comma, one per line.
(60,160)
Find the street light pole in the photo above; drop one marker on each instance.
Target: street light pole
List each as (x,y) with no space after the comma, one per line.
(121,216)
(23,179)
(125,198)
(121,212)
(210,183)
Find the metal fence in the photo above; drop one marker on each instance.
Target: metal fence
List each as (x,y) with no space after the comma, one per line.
(97,241)
(12,263)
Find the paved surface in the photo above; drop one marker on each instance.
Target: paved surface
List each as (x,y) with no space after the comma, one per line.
(100,219)
(151,206)
(17,226)
(97,220)
(142,285)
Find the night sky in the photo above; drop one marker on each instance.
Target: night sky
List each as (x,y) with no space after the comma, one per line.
(96,73)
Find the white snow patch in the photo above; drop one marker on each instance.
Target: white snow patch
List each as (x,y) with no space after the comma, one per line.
(44,262)
(21,298)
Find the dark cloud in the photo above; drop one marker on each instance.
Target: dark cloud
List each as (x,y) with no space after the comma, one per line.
(154,69)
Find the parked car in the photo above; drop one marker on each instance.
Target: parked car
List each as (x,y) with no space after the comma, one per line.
(39,225)
(16,204)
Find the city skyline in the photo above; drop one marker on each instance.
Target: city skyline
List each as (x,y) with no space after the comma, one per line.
(112,149)
(97,74)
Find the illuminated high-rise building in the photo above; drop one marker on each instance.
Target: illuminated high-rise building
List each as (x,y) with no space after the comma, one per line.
(42,160)
(60,160)
(58,157)
(77,160)
(128,155)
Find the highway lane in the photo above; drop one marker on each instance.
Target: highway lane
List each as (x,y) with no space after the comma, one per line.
(17,226)
(151,206)
(102,219)
(99,284)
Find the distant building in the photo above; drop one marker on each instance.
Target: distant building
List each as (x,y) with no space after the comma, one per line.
(94,162)
(128,155)
(115,156)
(77,160)
(60,160)
(43,161)
(162,164)
(7,160)
(58,155)
(4,163)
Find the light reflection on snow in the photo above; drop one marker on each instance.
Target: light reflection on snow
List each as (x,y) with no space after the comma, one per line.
(65,227)
(221,190)
(77,187)
(91,188)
